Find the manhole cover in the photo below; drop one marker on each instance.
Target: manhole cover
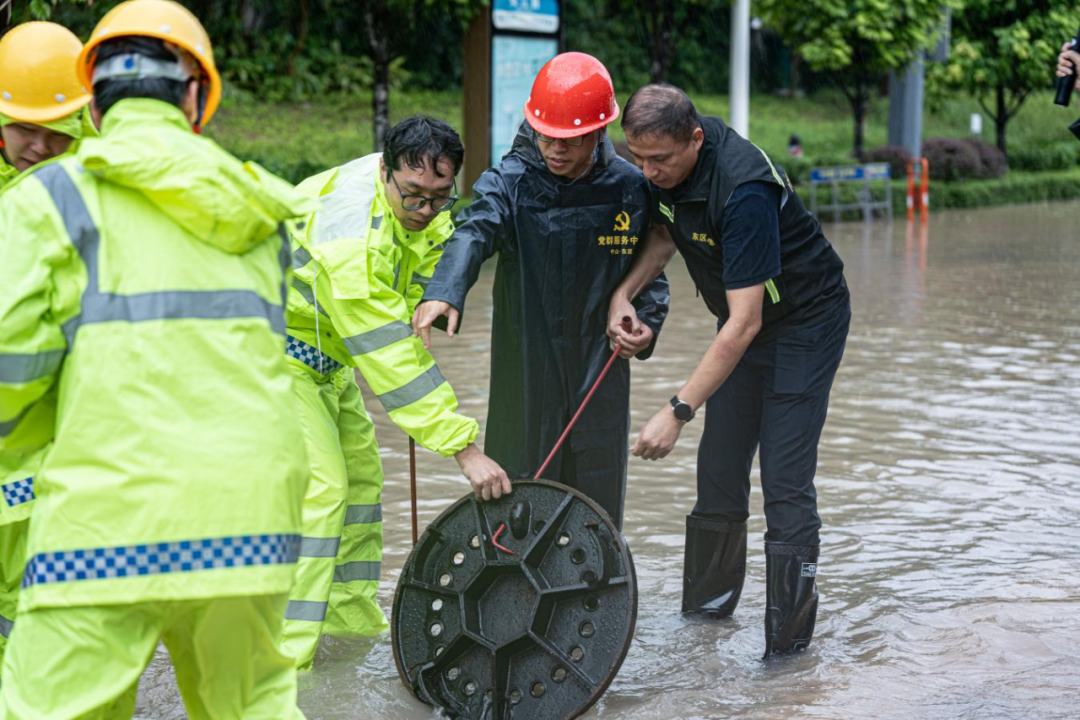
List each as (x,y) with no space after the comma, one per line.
(522,607)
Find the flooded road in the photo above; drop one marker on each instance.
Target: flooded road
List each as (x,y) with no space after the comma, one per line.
(948,483)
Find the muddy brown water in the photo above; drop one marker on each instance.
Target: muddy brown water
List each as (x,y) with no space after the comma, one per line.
(949,488)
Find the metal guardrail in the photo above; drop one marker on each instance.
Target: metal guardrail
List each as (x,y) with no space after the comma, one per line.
(865,199)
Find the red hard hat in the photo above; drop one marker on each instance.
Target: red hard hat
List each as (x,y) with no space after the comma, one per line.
(572,95)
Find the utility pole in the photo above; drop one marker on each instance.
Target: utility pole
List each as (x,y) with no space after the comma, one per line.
(739,91)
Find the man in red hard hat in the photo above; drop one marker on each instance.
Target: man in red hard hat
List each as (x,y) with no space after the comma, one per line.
(564,213)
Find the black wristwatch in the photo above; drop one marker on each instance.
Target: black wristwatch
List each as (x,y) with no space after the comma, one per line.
(683,412)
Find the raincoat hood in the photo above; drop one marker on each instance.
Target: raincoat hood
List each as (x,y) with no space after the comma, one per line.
(148,146)
(525,148)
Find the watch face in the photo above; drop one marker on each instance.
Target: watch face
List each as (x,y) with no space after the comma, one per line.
(682,411)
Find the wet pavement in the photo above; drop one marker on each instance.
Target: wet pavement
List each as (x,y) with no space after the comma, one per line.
(948,482)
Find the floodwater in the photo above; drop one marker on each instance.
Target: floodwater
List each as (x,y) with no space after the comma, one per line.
(948,482)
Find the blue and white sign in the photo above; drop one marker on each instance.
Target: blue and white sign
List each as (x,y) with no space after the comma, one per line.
(515,61)
(540,16)
(877,171)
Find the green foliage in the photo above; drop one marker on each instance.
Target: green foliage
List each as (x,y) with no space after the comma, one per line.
(865,37)
(1048,157)
(1002,51)
(857,41)
(36,9)
(1016,188)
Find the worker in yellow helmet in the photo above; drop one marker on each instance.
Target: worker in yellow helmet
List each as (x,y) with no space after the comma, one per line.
(143,282)
(42,102)
(42,116)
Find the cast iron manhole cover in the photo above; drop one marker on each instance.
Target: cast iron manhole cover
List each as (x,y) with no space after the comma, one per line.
(522,607)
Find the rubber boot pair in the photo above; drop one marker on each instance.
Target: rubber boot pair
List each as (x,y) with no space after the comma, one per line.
(715,567)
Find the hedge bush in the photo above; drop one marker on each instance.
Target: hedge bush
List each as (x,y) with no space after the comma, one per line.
(1051,156)
(1013,189)
(896,156)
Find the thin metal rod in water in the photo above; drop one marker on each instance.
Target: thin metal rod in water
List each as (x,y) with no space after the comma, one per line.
(566,432)
(412,486)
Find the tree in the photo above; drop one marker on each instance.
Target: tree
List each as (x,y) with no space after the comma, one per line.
(856,41)
(391,26)
(662,24)
(13,12)
(1003,50)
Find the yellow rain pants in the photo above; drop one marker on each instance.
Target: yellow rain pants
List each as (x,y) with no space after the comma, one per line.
(85,661)
(337,574)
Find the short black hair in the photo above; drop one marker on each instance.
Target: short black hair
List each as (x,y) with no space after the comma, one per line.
(660,109)
(109,92)
(420,140)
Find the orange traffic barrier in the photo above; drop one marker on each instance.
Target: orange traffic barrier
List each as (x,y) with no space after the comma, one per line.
(918,200)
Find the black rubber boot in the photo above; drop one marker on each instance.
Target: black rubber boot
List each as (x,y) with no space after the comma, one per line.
(714,566)
(791,596)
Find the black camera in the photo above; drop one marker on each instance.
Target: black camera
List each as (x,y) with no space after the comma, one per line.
(1065,88)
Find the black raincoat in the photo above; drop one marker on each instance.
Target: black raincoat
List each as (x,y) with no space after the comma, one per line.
(563,248)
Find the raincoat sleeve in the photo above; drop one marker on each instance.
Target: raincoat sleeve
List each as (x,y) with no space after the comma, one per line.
(32,344)
(403,375)
(482,229)
(652,308)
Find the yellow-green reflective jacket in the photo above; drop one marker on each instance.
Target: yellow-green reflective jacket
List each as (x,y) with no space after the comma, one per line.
(19,466)
(370,273)
(144,280)
(8,173)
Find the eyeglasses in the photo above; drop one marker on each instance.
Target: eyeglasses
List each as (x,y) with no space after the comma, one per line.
(442,203)
(571,141)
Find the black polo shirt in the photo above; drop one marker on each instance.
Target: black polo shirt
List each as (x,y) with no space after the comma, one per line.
(721,219)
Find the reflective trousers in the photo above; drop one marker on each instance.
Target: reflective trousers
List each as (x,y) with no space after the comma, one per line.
(337,575)
(12,563)
(17,474)
(85,661)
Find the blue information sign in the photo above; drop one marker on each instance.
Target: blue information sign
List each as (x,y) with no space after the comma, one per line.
(540,16)
(515,61)
(877,171)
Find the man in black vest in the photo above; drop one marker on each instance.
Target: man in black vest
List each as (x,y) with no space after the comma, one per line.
(766,271)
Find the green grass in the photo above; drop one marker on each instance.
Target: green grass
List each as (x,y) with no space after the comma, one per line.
(298,140)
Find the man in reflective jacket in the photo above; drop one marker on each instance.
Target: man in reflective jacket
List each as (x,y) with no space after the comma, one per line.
(564,213)
(143,283)
(42,116)
(361,263)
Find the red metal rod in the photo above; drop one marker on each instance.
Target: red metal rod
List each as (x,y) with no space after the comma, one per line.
(566,432)
(412,486)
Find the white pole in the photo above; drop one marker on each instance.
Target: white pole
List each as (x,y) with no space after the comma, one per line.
(739,92)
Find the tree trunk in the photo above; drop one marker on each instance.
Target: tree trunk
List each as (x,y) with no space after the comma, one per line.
(375,21)
(381,102)
(858,107)
(300,40)
(1001,119)
(658,24)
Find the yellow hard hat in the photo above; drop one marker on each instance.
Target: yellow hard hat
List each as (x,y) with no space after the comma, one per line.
(37,73)
(162,19)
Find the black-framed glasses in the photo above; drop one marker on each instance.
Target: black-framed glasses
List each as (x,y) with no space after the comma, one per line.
(571,141)
(442,203)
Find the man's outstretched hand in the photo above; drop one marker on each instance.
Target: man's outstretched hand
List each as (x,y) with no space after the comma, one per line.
(427,313)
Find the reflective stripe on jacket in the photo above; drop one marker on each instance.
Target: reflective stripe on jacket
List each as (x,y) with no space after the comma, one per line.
(144,280)
(368,273)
